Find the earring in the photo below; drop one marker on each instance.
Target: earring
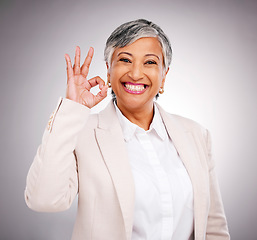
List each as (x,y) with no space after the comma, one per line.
(109,84)
(161,91)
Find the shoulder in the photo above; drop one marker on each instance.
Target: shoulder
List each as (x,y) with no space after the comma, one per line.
(183,124)
(199,134)
(187,123)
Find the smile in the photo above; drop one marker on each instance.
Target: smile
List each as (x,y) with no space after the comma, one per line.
(134,88)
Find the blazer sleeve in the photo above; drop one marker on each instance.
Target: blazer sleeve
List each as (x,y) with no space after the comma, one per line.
(52,181)
(217,228)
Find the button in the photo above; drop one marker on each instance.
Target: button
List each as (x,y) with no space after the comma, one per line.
(50,122)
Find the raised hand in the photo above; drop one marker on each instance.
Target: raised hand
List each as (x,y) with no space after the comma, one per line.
(78,87)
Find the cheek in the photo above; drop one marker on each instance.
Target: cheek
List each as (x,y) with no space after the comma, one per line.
(116,73)
(113,77)
(156,76)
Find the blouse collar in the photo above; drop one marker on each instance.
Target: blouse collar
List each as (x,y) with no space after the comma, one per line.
(129,128)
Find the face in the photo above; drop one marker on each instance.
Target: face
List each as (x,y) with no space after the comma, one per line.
(136,74)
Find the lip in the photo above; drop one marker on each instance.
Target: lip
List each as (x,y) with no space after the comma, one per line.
(137,84)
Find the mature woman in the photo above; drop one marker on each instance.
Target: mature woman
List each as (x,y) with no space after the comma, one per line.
(139,172)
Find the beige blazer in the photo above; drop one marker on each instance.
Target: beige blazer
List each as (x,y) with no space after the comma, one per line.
(85,154)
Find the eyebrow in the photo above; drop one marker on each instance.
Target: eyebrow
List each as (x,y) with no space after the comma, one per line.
(147,55)
(151,54)
(124,53)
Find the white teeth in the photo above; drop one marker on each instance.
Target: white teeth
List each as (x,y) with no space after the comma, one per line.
(135,88)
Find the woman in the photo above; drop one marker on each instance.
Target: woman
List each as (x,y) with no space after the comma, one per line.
(140,173)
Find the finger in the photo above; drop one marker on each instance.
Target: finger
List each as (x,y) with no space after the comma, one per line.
(96,81)
(101,95)
(76,66)
(69,67)
(87,62)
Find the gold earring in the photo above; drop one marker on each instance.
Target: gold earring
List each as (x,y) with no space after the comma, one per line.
(109,84)
(161,91)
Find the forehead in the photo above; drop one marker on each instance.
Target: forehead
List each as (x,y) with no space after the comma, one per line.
(142,46)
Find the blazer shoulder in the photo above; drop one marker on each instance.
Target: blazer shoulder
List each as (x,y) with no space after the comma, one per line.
(179,121)
(188,125)
(187,122)
(196,129)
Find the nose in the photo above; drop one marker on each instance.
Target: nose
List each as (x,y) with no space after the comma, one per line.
(136,72)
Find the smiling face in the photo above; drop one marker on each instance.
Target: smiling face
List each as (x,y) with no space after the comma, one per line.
(136,74)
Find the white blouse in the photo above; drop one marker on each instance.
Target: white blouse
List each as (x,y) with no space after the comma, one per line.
(163,190)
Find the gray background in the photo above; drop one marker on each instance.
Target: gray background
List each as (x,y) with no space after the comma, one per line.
(212,80)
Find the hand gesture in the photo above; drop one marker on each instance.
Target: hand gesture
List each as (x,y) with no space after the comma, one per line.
(78,87)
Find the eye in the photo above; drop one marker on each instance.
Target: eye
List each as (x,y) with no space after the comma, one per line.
(125,60)
(150,62)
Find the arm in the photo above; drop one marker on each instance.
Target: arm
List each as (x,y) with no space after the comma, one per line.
(52,181)
(217,225)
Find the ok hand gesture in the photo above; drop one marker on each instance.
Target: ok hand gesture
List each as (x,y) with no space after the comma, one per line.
(78,87)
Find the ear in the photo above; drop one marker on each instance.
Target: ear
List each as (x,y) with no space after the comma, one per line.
(164,77)
(108,71)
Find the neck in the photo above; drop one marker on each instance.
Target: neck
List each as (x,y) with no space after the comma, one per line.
(141,117)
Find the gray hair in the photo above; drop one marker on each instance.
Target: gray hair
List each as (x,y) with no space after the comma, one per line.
(131,31)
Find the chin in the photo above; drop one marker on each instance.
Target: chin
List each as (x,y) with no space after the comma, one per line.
(135,102)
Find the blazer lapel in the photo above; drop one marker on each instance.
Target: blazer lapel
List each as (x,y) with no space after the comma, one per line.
(187,148)
(111,143)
